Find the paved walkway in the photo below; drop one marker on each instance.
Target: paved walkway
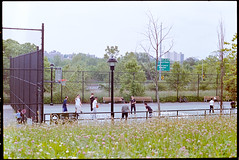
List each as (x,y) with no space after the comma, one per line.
(9,113)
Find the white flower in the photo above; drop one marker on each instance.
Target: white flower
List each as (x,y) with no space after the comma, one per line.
(40,150)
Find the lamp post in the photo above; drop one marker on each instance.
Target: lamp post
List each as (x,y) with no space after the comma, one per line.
(112,61)
(51,65)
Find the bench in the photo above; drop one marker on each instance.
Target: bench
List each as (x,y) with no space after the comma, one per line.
(228,98)
(143,99)
(55,117)
(108,99)
(208,98)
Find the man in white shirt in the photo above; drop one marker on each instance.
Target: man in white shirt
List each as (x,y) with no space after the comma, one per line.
(94,108)
(211,103)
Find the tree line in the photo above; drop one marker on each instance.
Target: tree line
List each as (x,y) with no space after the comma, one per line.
(138,66)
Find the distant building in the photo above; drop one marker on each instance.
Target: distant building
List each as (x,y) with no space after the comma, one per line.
(174,56)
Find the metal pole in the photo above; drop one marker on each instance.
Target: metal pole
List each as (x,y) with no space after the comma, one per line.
(42,86)
(202,69)
(198,87)
(112,92)
(83,86)
(177,85)
(51,87)
(37,93)
(109,84)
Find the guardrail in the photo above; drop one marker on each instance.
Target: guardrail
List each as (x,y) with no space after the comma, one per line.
(72,116)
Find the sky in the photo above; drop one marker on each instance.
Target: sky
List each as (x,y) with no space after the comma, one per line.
(90,26)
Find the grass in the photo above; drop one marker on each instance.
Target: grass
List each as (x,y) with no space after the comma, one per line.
(155,138)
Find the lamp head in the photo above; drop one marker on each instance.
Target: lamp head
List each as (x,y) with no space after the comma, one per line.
(112,61)
(51,65)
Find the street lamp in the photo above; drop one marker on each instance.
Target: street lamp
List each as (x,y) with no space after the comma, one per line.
(112,62)
(51,65)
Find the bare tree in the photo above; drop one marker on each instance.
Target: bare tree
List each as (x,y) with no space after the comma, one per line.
(154,35)
(221,53)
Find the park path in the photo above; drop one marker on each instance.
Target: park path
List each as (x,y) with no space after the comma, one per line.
(9,113)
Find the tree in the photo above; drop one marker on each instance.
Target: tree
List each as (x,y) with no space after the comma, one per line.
(133,77)
(230,61)
(155,37)
(12,48)
(178,77)
(221,55)
(111,50)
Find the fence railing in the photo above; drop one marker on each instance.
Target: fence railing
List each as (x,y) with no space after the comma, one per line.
(72,116)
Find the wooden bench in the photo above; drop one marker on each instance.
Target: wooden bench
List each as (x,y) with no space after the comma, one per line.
(208,98)
(69,117)
(108,99)
(228,98)
(143,99)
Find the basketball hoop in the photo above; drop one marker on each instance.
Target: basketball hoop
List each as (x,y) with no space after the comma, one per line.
(62,81)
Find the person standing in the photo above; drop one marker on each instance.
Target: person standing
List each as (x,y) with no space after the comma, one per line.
(211,103)
(125,110)
(133,102)
(92,98)
(19,117)
(149,109)
(64,106)
(78,103)
(95,103)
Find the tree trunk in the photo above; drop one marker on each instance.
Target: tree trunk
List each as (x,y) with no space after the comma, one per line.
(156,82)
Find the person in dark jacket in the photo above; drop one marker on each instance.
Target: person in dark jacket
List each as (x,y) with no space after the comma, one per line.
(64,106)
(149,109)
(92,98)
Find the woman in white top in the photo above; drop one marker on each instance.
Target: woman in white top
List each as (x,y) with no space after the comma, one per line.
(94,108)
(78,103)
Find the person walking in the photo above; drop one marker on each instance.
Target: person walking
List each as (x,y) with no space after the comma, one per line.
(92,98)
(149,109)
(95,104)
(125,110)
(211,103)
(78,103)
(133,102)
(64,106)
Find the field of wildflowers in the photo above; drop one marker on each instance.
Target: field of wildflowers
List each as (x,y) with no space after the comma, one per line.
(211,136)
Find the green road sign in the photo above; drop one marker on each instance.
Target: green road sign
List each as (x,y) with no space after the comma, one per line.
(165,65)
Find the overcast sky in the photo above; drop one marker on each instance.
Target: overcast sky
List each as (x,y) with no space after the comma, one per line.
(89,27)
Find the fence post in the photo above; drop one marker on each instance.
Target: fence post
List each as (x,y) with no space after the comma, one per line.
(146,114)
(216,84)
(82,86)
(198,87)
(109,84)
(177,113)
(177,85)
(205,112)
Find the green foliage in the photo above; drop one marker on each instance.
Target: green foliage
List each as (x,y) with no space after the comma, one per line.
(230,78)
(134,74)
(111,50)
(13,48)
(178,78)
